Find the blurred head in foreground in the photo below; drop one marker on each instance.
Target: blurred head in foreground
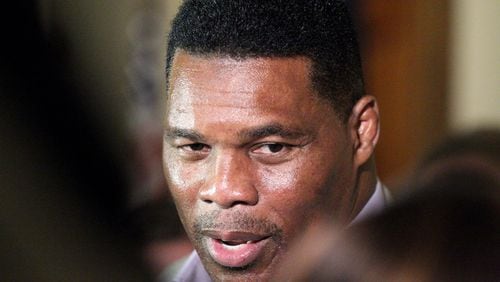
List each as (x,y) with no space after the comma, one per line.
(477,150)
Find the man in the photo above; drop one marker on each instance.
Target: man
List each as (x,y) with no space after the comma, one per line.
(267,131)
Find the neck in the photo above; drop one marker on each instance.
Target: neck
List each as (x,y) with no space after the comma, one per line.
(365,187)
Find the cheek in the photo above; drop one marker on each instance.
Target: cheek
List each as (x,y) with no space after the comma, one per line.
(183,181)
(181,176)
(299,192)
(278,179)
(298,179)
(291,191)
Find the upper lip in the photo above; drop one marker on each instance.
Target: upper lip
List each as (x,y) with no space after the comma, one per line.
(234,236)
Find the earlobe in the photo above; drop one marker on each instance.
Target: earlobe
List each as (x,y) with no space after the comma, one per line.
(365,125)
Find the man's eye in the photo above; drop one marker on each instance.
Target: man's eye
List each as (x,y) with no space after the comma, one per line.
(195,147)
(270,148)
(274,153)
(275,148)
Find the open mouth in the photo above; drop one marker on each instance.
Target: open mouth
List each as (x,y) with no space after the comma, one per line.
(235,249)
(236,243)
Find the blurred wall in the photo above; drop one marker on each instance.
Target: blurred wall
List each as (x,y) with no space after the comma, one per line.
(434,67)
(404,48)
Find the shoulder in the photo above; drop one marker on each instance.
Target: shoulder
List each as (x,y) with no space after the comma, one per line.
(168,274)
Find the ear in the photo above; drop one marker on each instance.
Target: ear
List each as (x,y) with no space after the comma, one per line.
(364,124)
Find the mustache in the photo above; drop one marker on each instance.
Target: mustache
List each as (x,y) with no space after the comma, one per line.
(235,221)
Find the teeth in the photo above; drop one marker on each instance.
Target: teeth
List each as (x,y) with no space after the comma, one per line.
(231,243)
(235,243)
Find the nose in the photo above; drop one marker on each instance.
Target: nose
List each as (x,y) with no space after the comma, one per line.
(230,182)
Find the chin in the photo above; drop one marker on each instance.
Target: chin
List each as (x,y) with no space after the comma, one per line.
(252,272)
(241,275)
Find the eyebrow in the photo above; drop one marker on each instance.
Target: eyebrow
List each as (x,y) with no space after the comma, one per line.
(273,129)
(175,132)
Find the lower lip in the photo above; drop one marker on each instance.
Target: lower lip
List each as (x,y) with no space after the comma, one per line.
(235,256)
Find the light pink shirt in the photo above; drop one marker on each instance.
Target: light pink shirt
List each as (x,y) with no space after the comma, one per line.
(375,204)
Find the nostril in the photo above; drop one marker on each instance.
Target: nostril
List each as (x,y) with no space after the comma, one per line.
(229,199)
(229,185)
(235,203)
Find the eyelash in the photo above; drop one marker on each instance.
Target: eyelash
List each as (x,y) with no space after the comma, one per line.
(190,146)
(258,146)
(202,150)
(283,146)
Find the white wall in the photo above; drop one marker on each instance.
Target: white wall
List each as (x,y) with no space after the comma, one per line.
(475,64)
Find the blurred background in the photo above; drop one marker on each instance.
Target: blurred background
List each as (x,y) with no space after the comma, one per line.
(82,86)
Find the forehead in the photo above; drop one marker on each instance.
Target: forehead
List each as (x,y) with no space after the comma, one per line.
(210,68)
(208,87)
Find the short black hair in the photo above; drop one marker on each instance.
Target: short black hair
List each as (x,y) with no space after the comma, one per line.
(321,31)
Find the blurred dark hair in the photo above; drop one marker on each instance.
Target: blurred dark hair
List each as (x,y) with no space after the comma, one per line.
(484,142)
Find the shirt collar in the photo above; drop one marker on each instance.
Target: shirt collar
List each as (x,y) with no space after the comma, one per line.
(375,204)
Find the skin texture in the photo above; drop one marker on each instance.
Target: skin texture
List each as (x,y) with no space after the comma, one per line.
(250,151)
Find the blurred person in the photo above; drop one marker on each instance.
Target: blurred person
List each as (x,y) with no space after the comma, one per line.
(446,227)
(61,209)
(478,148)
(267,131)
(482,142)
(475,147)
(162,238)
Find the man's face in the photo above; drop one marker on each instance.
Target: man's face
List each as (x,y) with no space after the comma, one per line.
(253,158)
